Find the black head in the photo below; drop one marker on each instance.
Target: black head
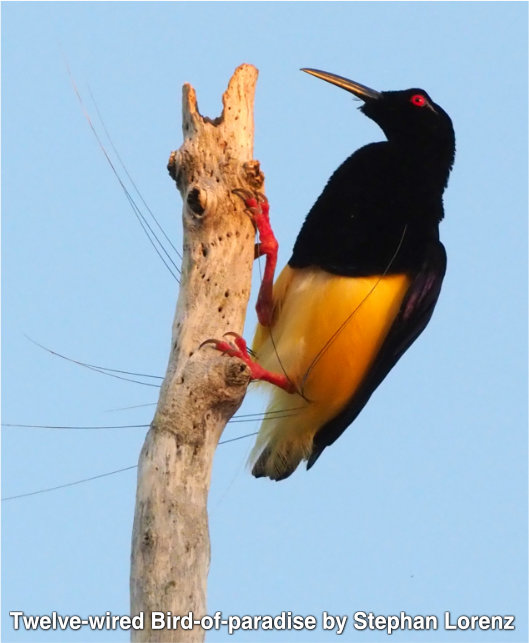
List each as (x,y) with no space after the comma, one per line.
(409,118)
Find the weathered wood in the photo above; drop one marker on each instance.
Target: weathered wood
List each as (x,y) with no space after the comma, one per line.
(202,388)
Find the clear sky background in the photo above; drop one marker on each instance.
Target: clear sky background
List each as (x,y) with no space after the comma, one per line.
(421,506)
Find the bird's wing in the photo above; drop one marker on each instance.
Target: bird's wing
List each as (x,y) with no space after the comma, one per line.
(414,314)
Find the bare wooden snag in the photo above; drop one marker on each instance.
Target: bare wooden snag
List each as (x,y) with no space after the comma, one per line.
(202,388)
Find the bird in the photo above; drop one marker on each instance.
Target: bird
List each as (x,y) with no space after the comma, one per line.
(361,284)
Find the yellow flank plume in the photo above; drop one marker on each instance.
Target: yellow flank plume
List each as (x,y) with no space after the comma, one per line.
(326,333)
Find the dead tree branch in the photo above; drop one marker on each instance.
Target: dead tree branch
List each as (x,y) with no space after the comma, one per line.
(202,388)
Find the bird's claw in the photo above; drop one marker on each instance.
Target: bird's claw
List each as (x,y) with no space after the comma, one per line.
(237,349)
(257,372)
(256,204)
(251,199)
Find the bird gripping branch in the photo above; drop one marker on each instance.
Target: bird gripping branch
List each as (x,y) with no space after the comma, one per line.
(361,284)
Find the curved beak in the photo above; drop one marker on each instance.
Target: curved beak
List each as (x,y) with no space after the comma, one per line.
(361,91)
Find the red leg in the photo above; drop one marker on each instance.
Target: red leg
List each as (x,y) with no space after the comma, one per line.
(256,370)
(259,210)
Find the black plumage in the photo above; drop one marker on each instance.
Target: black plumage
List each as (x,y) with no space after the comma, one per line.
(361,284)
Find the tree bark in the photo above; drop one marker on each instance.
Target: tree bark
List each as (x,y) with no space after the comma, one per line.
(202,388)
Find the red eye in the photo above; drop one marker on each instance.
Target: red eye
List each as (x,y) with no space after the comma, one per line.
(418,99)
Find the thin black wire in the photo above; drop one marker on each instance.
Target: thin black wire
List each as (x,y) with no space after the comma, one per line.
(75,428)
(68,484)
(236,419)
(260,416)
(127,408)
(333,337)
(102,475)
(139,215)
(263,417)
(133,183)
(103,370)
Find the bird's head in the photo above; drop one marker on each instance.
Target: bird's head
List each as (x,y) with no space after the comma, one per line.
(409,118)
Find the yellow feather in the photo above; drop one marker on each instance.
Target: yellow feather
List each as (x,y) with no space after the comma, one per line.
(326,333)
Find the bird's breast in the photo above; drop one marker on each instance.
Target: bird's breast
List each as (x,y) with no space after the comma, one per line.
(327,332)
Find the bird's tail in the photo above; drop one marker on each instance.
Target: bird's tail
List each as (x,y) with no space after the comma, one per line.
(283,440)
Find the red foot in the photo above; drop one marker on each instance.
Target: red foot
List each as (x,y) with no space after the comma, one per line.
(239,349)
(258,208)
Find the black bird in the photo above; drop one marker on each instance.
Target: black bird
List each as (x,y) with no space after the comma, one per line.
(361,285)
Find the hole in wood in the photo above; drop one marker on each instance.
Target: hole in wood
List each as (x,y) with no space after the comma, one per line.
(196,201)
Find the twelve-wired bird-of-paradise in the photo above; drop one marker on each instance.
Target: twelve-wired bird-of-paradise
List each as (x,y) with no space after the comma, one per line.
(361,285)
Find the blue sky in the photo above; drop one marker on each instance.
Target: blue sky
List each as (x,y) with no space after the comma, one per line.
(421,506)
